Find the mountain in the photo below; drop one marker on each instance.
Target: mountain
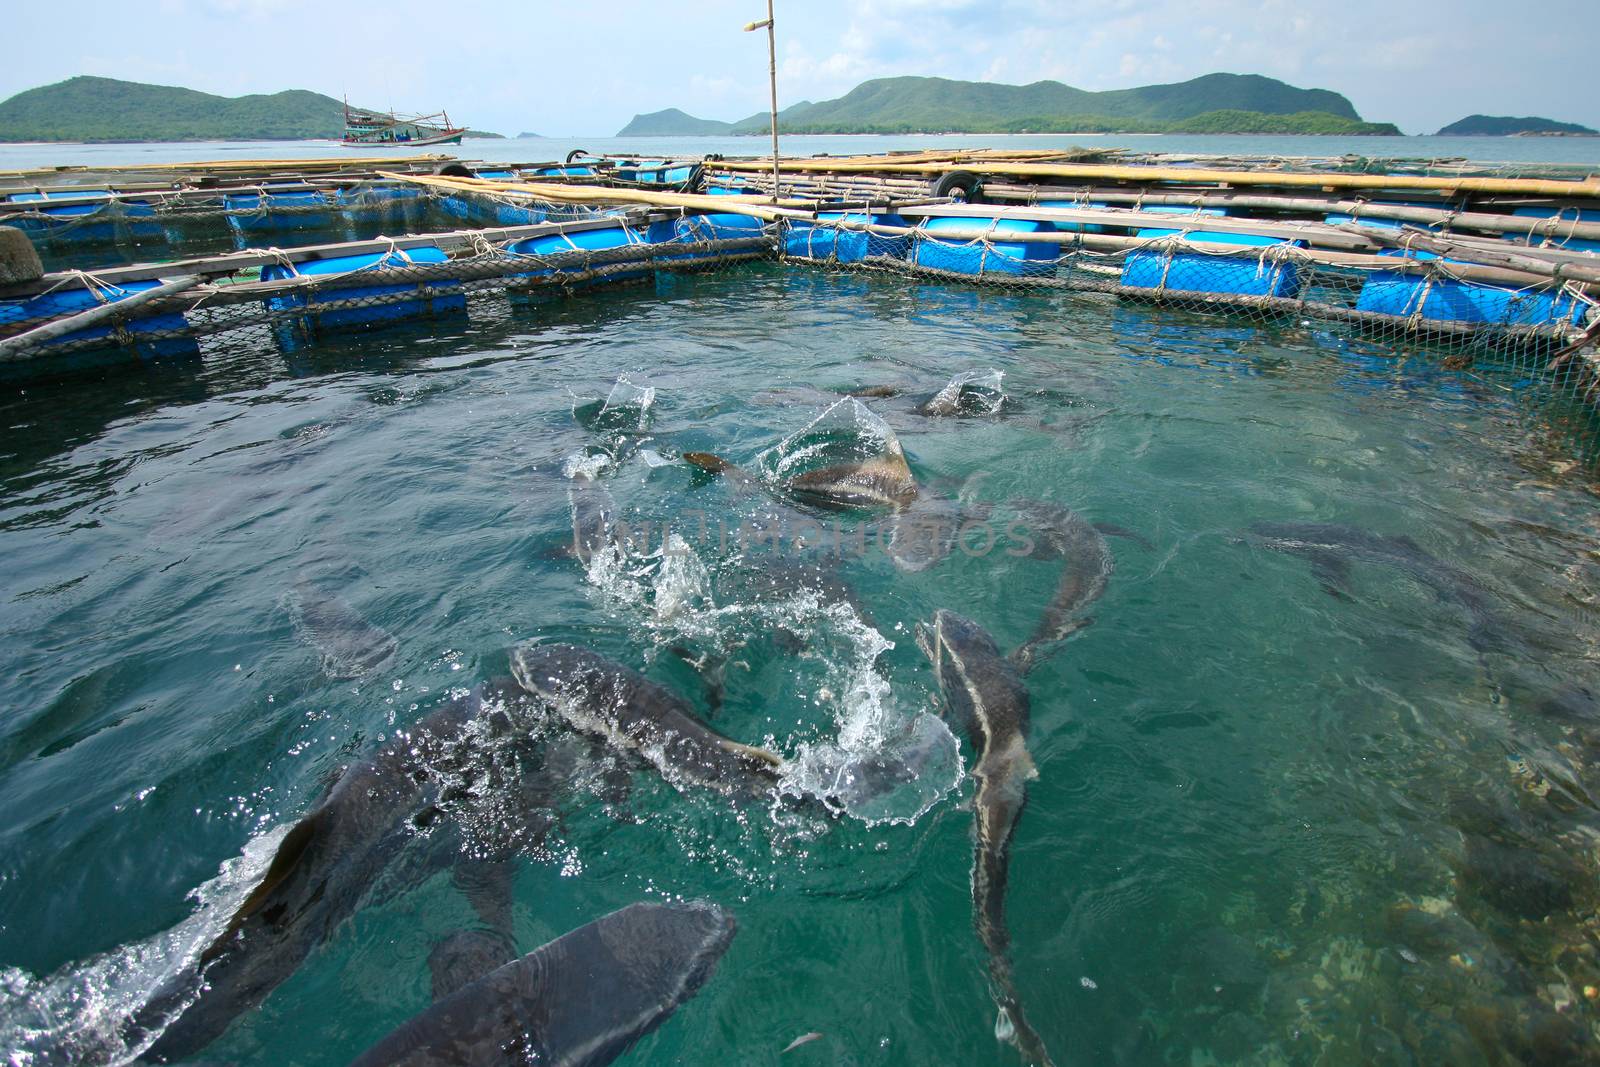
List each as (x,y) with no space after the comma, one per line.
(1214,103)
(675,123)
(1503,126)
(105,109)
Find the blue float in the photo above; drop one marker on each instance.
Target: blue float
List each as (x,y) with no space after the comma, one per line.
(24,314)
(579,240)
(1451,300)
(979,258)
(424,305)
(693,229)
(805,240)
(265,211)
(71,222)
(1197,272)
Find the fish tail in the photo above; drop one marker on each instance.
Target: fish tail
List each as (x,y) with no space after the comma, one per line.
(1012,1027)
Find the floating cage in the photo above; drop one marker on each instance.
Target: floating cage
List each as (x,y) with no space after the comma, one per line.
(1487,278)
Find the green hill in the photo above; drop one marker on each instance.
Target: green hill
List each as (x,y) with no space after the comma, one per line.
(1504,126)
(1214,103)
(105,109)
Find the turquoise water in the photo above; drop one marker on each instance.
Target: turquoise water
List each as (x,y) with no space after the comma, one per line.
(1270,826)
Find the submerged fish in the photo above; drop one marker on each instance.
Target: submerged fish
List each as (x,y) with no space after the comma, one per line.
(968,393)
(986,694)
(322,871)
(1058,532)
(350,646)
(882,481)
(579,1001)
(1329,548)
(600,696)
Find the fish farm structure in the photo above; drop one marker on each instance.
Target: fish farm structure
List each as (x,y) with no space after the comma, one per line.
(694,567)
(1485,265)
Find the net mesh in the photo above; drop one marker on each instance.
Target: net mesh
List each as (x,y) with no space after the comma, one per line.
(1520,336)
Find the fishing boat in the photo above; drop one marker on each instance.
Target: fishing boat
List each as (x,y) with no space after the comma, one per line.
(385,129)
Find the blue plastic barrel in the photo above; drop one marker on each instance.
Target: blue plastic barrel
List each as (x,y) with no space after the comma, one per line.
(266,212)
(69,222)
(692,229)
(26,313)
(579,240)
(423,306)
(1451,300)
(1197,272)
(997,256)
(803,240)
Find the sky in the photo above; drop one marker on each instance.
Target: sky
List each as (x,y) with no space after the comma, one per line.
(550,68)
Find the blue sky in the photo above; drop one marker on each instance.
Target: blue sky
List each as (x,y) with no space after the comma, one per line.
(556,69)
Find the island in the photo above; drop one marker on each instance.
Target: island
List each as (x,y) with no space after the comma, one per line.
(1213,103)
(106,109)
(1505,126)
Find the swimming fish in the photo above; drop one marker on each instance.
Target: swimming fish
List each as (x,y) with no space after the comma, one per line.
(322,871)
(882,481)
(578,1001)
(1329,548)
(600,696)
(349,645)
(985,693)
(1058,532)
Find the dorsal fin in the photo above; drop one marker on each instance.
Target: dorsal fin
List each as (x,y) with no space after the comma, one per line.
(291,850)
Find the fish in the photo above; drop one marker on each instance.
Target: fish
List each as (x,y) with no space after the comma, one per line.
(882,481)
(599,696)
(1058,532)
(349,645)
(579,1001)
(322,871)
(985,693)
(466,956)
(968,393)
(803,1039)
(1329,548)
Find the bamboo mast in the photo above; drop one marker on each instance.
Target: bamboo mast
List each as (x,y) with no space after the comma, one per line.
(772,78)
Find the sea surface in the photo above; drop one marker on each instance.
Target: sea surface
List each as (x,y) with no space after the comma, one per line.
(1573,150)
(1278,819)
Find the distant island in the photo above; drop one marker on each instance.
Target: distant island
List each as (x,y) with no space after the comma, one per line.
(526,136)
(1504,126)
(105,109)
(1214,103)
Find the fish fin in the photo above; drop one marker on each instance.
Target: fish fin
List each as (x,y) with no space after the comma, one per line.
(1030,654)
(753,752)
(1111,529)
(707,461)
(291,850)
(1332,573)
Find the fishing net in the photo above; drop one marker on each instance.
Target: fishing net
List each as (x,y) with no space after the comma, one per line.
(1517,331)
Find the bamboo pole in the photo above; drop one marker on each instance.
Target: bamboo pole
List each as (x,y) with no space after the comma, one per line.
(1589,187)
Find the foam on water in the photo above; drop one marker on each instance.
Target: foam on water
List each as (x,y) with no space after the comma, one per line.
(80,1014)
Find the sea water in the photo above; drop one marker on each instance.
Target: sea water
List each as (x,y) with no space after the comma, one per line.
(1271,824)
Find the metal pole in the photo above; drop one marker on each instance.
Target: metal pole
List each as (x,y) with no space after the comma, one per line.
(772,74)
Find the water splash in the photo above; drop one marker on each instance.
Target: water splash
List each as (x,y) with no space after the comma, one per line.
(972,392)
(81,1014)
